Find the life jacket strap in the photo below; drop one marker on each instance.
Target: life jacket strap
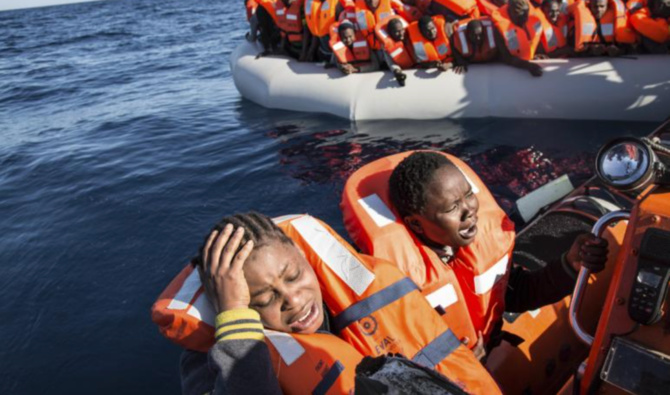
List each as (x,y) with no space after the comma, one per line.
(437,350)
(373,303)
(329,379)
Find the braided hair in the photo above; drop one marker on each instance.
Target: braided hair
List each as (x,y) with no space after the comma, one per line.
(410,179)
(258,228)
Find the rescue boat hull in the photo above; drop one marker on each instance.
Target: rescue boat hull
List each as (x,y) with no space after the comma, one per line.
(623,89)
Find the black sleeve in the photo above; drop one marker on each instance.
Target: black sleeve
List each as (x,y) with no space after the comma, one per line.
(528,290)
(231,367)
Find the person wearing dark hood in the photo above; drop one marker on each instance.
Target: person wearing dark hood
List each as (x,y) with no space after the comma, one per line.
(430,44)
(519,32)
(601,28)
(651,18)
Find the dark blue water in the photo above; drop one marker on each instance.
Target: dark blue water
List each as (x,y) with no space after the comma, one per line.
(123,139)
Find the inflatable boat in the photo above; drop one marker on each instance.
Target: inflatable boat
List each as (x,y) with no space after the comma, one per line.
(623,89)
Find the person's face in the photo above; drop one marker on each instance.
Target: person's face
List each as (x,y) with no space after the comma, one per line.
(476,36)
(348,37)
(397,31)
(430,31)
(518,11)
(284,289)
(372,4)
(552,12)
(449,217)
(598,8)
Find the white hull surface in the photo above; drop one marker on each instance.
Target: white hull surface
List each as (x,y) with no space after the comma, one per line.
(597,89)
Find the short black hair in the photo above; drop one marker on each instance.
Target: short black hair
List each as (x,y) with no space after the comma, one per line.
(425,20)
(409,180)
(475,24)
(394,22)
(258,228)
(345,25)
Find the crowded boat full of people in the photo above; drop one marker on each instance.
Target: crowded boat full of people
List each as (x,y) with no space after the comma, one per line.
(383,59)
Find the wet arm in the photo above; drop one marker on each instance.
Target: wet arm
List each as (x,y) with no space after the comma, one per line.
(239,362)
(528,290)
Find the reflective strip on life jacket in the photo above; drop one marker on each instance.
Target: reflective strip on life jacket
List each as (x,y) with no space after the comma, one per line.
(338,258)
(512,40)
(288,348)
(485,281)
(443,297)
(607,29)
(361,20)
(378,211)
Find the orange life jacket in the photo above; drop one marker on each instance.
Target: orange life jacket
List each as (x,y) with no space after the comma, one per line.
(613,25)
(428,51)
(656,29)
(375,309)
(461,8)
(320,15)
(366,20)
(484,53)
(556,36)
(358,54)
(521,42)
(287,19)
(486,7)
(471,287)
(250,6)
(395,49)
(406,11)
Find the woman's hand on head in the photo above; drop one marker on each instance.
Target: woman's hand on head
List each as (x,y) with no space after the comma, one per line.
(222,271)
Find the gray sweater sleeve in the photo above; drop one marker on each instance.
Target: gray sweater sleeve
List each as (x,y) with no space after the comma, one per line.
(232,366)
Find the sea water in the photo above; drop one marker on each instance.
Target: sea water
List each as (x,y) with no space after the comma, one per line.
(123,140)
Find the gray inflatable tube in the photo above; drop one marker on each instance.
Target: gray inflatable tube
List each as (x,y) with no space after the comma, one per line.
(624,89)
